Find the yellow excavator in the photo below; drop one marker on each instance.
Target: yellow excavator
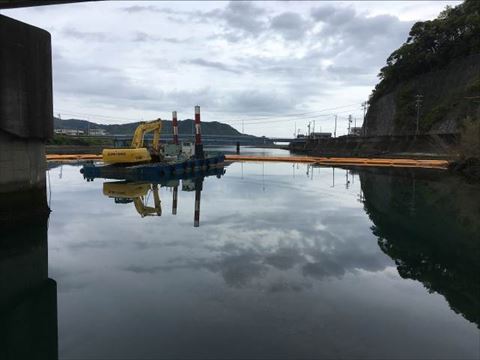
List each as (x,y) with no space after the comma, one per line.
(137,153)
(126,192)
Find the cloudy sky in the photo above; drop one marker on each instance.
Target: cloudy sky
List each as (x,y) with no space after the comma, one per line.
(266,66)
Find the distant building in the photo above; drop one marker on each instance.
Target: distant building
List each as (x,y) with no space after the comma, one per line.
(320,135)
(356,131)
(97,132)
(71,132)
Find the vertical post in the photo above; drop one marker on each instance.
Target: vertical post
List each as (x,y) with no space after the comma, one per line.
(198,135)
(335,132)
(198,192)
(349,122)
(175,127)
(175,199)
(364,106)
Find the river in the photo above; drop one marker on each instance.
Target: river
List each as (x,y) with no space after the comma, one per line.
(281,261)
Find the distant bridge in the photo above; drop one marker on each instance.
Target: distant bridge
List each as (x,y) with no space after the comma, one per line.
(209,139)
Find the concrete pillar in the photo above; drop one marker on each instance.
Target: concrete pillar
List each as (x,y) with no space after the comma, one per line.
(26,106)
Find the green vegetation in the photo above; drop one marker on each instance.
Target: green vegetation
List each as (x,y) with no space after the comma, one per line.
(470,139)
(83,141)
(433,44)
(184,127)
(405,105)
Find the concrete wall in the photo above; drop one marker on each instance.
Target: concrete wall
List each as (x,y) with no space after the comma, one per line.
(22,163)
(26,107)
(443,146)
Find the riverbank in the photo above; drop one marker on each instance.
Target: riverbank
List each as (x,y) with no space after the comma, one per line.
(441,146)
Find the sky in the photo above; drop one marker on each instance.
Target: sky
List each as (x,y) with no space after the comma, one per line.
(266,68)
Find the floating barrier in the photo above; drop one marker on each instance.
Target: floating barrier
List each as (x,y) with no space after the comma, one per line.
(424,163)
(63,157)
(428,163)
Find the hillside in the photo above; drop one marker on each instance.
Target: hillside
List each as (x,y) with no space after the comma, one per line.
(185,127)
(440,61)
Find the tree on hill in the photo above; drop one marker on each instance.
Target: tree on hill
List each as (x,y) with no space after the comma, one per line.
(433,44)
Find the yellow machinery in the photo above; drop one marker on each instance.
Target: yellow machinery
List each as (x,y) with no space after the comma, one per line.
(136,192)
(137,153)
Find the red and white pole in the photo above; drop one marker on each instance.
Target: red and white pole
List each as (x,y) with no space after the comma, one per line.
(198,134)
(175,127)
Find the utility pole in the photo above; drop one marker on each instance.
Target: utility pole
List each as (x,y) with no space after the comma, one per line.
(349,122)
(335,132)
(418,104)
(308,133)
(313,129)
(364,106)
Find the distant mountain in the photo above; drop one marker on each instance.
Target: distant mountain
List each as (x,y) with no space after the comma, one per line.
(184,127)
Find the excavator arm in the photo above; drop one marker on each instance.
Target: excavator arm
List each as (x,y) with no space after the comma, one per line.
(144,210)
(142,129)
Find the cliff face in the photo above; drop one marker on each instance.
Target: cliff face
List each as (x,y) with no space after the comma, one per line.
(449,95)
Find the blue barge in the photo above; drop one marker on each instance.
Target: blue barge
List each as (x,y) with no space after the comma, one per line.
(154,171)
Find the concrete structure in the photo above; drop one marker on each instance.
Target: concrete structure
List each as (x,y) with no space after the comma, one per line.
(26,106)
(72,132)
(97,132)
(320,135)
(356,131)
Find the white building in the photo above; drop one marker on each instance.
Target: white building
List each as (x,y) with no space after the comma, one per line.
(97,132)
(71,132)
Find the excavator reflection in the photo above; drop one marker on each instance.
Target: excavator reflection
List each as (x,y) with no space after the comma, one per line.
(138,193)
(127,192)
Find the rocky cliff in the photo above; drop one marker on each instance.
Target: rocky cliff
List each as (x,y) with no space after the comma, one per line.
(449,95)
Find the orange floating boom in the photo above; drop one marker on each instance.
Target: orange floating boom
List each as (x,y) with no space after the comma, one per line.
(428,163)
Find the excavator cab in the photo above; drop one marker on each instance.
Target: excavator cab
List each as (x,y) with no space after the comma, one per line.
(138,152)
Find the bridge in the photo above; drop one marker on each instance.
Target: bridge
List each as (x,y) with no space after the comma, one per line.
(208,139)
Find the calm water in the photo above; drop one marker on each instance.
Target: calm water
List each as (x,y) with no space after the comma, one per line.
(288,261)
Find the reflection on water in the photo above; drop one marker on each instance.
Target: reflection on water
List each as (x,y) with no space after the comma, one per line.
(124,192)
(28,297)
(431,229)
(291,261)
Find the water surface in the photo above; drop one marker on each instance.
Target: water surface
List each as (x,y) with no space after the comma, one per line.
(288,261)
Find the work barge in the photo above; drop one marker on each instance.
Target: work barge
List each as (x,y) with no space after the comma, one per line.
(155,171)
(163,161)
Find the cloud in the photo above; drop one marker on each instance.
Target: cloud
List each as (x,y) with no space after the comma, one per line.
(213,64)
(261,101)
(245,16)
(143,37)
(86,35)
(291,26)
(142,8)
